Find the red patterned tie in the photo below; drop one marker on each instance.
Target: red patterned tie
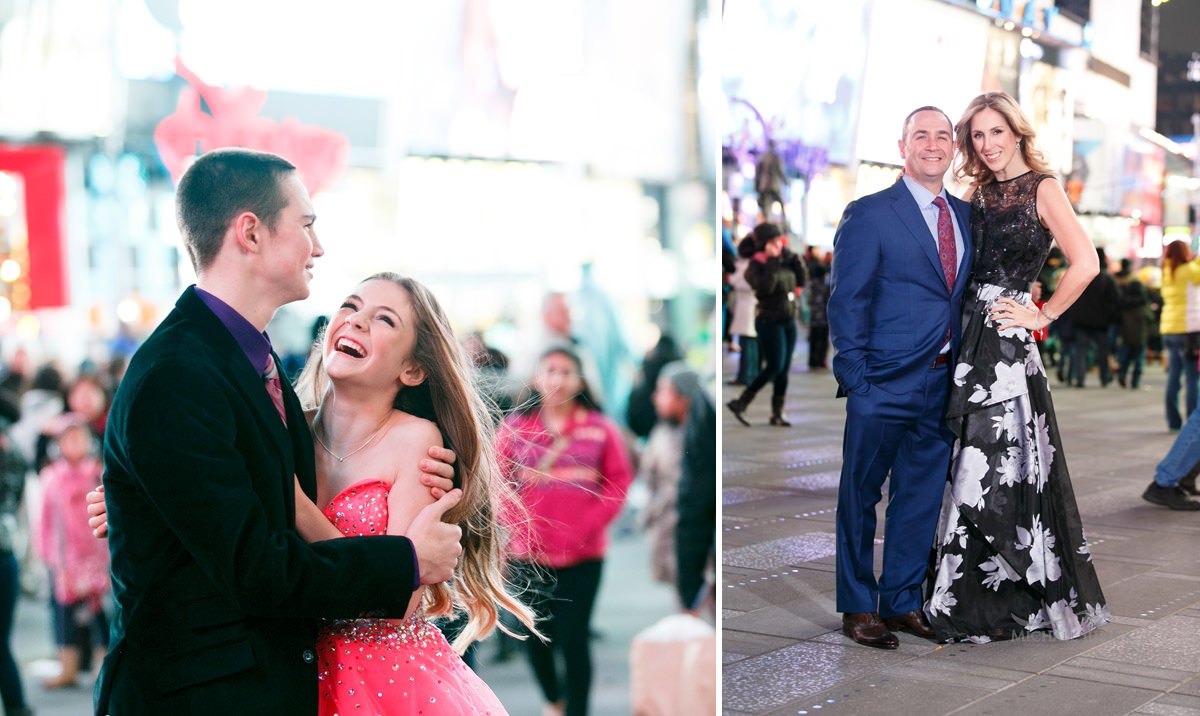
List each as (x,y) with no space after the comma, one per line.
(274,389)
(946,250)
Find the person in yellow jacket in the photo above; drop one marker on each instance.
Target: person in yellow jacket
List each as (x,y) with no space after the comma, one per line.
(1180,327)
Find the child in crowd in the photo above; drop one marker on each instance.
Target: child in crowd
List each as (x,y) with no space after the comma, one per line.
(78,562)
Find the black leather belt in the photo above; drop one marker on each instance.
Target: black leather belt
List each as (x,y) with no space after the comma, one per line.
(941,360)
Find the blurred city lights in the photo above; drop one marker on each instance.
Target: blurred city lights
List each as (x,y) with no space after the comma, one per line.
(10,270)
(5,309)
(129,310)
(28,327)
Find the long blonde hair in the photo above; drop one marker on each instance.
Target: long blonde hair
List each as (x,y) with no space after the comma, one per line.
(448,398)
(970,165)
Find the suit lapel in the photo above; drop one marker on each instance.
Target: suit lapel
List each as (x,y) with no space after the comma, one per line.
(910,217)
(250,383)
(246,380)
(302,445)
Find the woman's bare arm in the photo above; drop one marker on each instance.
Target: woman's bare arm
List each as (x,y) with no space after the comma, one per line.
(310,522)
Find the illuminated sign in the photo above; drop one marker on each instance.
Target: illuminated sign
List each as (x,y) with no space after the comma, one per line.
(232,121)
(32,243)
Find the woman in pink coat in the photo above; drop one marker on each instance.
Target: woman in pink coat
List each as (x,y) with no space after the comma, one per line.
(78,562)
(571,470)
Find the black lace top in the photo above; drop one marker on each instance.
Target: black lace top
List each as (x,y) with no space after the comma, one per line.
(1010,242)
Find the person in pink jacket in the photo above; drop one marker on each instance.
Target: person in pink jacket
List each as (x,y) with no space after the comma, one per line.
(77,561)
(571,470)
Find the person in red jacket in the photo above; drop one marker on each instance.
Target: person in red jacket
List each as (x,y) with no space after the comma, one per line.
(572,471)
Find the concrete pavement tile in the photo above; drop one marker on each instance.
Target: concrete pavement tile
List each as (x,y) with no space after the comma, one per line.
(795,620)
(767,682)
(909,645)
(1153,596)
(817,482)
(1090,668)
(779,587)
(975,677)
(738,495)
(731,573)
(1187,564)
(1190,687)
(747,645)
(781,502)
(1112,506)
(1171,643)
(769,528)
(1137,513)
(1092,484)
(1150,546)
(790,525)
(781,552)
(878,695)
(1045,694)
(1172,705)
(1032,654)
(1112,571)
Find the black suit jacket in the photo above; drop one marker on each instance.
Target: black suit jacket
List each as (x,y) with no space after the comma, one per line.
(216,595)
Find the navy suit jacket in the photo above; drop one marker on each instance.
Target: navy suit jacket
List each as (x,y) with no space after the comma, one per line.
(216,595)
(889,306)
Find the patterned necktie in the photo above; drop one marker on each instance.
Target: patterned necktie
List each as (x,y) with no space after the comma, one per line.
(274,389)
(945,237)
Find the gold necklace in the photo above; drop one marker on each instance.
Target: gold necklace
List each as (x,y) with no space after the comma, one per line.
(317,434)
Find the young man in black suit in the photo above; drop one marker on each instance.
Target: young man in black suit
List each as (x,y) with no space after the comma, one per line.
(216,596)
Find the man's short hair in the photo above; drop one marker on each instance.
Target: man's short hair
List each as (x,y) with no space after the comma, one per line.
(218,186)
(926,108)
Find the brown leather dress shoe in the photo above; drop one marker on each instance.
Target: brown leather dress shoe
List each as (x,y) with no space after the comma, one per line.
(867,629)
(913,622)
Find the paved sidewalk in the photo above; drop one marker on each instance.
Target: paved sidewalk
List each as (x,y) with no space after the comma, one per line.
(783,650)
(629,601)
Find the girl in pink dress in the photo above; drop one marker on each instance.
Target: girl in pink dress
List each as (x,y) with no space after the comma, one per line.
(77,562)
(391,379)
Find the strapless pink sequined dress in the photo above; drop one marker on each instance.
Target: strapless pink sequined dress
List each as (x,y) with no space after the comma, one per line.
(387,668)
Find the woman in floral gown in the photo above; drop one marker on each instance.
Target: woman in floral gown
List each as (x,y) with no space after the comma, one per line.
(1011,557)
(389,378)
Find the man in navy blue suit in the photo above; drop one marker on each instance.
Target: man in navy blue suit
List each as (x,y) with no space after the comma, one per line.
(901,260)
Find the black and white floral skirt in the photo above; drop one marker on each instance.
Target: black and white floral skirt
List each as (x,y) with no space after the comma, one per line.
(1011,557)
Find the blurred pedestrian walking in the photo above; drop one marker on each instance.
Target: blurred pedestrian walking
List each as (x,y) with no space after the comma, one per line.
(1134,327)
(745,306)
(696,503)
(641,414)
(1179,326)
(775,272)
(78,562)
(13,469)
(1092,315)
(40,404)
(817,295)
(572,471)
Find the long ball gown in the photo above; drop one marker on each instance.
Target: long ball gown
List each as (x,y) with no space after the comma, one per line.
(1011,557)
(389,667)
